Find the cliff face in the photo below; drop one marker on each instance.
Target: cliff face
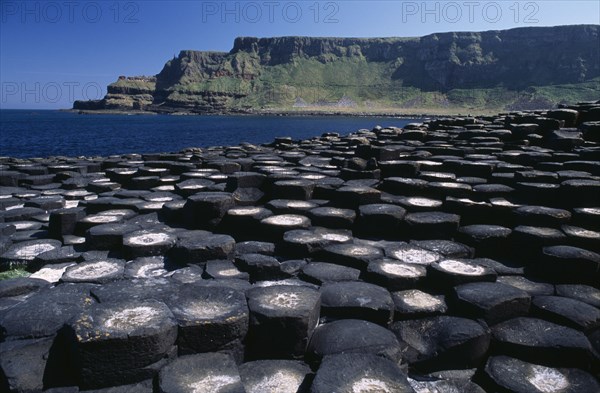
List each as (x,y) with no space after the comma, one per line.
(391,72)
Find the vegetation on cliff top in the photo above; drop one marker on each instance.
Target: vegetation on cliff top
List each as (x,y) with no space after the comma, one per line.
(524,68)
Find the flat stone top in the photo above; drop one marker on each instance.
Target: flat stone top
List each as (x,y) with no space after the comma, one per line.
(124,319)
(283,299)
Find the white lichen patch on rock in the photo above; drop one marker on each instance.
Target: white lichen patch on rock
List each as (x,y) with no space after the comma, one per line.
(286,220)
(154,205)
(160,199)
(71,204)
(148,238)
(370,385)
(93,270)
(280,382)
(397,269)
(132,318)
(590,210)
(360,251)
(313,176)
(300,204)
(364,301)
(243,211)
(459,267)
(582,232)
(164,188)
(336,237)
(33,250)
(51,274)
(212,383)
(423,202)
(23,225)
(547,380)
(415,255)
(116,212)
(102,218)
(229,272)
(432,386)
(282,300)
(502,202)
(206,309)
(151,270)
(419,299)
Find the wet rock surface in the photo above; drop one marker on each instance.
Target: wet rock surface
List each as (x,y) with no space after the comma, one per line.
(453,255)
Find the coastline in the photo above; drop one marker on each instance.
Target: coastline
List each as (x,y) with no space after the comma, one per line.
(288,113)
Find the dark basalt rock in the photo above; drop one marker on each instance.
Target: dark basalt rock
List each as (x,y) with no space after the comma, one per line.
(197,249)
(134,290)
(380,220)
(145,267)
(445,247)
(385,248)
(566,264)
(108,236)
(293,189)
(209,319)
(395,275)
(202,373)
(566,312)
(413,303)
(25,365)
(259,267)
(24,253)
(488,240)
(310,242)
(243,222)
(508,374)
(351,255)
(493,302)
(322,272)
(21,286)
(116,343)
(532,287)
(331,217)
(541,216)
(451,272)
(353,336)
(95,272)
(276,376)
(442,342)
(584,293)
(290,206)
(282,319)
(206,209)
(63,221)
(45,313)
(254,247)
(431,224)
(542,342)
(352,372)
(349,299)
(220,269)
(274,227)
(412,254)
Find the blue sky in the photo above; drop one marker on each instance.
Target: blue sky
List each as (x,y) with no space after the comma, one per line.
(52,52)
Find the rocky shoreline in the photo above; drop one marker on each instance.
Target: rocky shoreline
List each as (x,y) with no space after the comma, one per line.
(457,254)
(283,113)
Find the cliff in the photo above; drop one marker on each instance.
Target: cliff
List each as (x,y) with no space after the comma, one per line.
(507,69)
